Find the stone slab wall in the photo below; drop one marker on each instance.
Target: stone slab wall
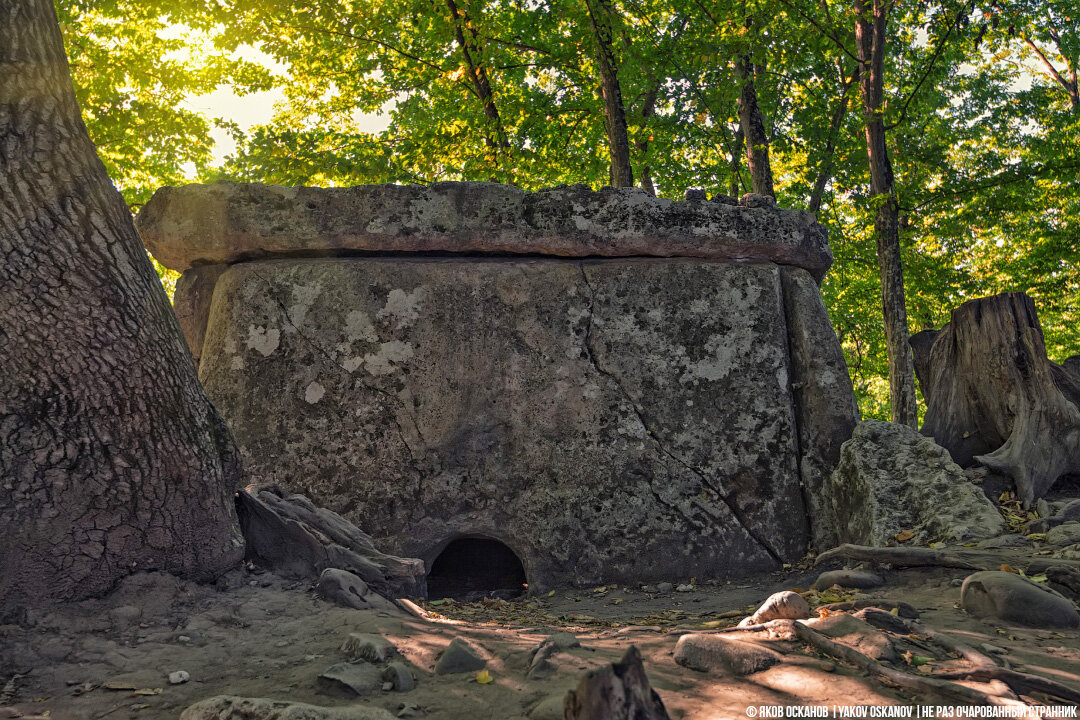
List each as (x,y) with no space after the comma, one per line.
(608,418)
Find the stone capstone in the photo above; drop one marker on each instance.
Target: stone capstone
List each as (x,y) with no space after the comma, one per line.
(193,225)
(891,479)
(617,388)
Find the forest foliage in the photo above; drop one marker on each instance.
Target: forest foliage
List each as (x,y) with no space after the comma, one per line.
(981,111)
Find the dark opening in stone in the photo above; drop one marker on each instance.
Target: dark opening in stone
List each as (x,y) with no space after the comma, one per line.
(473,568)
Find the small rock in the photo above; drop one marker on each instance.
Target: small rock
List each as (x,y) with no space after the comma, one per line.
(387,686)
(459,657)
(1043,508)
(183,639)
(1005,541)
(664,587)
(857,634)
(1069,511)
(859,579)
(686,587)
(1044,524)
(1064,534)
(399,676)
(364,646)
(722,199)
(346,589)
(282,643)
(716,653)
(781,605)
(756,200)
(694,195)
(358,678)
(993,649)
(179,677)
(539,667)
(409,710)
(1009,597)
(648,589)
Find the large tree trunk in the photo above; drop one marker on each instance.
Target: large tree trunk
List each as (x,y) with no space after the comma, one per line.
(752,123)
(600,16)
(994,398)
(870,27)
(112,460)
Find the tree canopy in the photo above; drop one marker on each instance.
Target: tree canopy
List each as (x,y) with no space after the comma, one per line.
(980,113)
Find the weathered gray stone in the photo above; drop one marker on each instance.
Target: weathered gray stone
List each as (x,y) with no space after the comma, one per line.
(825,406)
(1064,534)
(855,633)
(716,653)
(191,303)
(1012,598)
(228,707)
(219,223)
(346,589)
(399,676)
(298,539)
(369,647)
(859,579)
(607,420)
(890,479)
(357,678)
(459,656)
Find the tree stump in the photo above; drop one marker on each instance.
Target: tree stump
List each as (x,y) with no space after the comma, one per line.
(619,691)
(994,398)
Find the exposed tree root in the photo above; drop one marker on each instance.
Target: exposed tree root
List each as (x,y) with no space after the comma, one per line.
(1020,683)
(925,688)
(904,609)
(946,557)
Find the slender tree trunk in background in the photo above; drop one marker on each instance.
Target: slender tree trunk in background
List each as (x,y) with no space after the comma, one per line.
(752,123)
(600,14)
(648,108)
(870,24)
(496,138)
(112,460)
(825,171)
(735,186)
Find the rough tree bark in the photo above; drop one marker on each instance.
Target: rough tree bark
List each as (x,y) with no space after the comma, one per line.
(112,460)
(752,123)
(619,691)
(871,17)
(648,109)
(994,398)
(600,16)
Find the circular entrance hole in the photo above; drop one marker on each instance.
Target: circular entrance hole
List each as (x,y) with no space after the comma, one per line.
(474,568)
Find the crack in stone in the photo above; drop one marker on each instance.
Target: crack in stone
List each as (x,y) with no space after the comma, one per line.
(725,498)
(358,378)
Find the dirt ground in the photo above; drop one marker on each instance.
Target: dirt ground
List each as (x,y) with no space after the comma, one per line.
(258,635)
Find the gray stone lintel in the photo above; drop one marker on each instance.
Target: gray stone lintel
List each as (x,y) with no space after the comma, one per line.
(195,225)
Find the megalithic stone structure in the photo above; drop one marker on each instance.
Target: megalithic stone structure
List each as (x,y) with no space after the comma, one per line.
(615,386)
